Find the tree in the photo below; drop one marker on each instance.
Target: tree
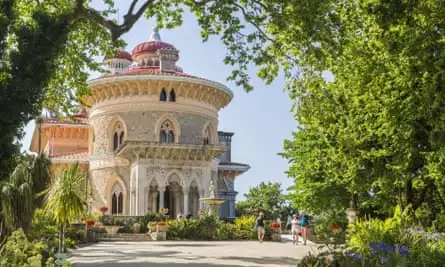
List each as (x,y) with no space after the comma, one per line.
(65,200)
(21,194)
(266,197)
(374,132)
(46,51)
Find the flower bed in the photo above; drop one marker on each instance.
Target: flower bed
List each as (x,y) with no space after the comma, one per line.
(209,227)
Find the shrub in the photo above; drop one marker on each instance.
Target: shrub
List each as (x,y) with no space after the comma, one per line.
(19,251)
(378,243)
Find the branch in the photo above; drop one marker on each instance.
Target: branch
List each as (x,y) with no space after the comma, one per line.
(133,4)
(115,29)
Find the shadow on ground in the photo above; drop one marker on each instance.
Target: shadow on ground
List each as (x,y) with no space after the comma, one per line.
(155,264)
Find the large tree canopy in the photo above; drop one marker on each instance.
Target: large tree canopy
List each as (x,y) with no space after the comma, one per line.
(46,49)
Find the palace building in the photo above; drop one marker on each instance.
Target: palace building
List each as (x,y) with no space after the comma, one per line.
(149,138)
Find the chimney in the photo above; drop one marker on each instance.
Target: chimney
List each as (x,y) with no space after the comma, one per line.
(225,139)
(168,58)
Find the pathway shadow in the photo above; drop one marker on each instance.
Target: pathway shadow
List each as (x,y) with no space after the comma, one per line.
(154,264)
(188,245)
(285,261)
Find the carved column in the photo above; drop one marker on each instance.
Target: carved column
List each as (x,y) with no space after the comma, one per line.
(177,203)
(201,195)
(154,196)
(161,197)
(186,201)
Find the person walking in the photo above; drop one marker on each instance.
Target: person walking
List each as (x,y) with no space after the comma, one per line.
(289,223)
(296,228)
(259,224)
(304,226)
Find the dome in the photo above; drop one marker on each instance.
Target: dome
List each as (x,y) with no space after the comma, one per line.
(121,55)
(152,46)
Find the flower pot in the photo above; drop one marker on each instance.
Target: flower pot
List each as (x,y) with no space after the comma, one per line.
(112,229)
(160,228)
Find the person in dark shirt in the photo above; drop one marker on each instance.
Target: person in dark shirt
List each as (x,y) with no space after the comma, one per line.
(259,223)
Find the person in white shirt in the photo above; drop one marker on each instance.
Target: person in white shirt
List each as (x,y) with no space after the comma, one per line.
(296,228)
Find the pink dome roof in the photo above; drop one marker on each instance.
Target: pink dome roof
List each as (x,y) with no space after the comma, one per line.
(121,55)
(150,47)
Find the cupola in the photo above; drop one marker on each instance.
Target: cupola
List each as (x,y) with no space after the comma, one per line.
(156,54)
(119,62)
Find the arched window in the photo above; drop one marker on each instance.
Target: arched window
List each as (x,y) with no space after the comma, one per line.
(117,200)
(167,134)
(118,136)
(207,136)
(163,96)
(172,97)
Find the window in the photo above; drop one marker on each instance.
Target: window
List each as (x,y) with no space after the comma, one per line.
(163,96)
(117,200)
(207,136)
(167,134)
(118,136)
(172,97)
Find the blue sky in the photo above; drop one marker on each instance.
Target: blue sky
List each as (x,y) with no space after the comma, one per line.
(260,119)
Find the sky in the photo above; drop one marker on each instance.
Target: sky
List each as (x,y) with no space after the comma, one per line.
(261,120)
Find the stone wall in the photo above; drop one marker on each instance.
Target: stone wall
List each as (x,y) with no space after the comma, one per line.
(141,126)
(102,181)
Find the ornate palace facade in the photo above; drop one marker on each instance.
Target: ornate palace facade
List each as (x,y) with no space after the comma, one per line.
(149,139)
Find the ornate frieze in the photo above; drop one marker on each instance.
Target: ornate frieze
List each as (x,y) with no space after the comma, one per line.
(212,93)
(107,162)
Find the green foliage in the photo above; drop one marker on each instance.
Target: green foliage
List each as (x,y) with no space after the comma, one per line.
(20,252)
(266,197)
(20,195)
(330,227)
(375,239)
(47,49)
(65,200)
(210,228)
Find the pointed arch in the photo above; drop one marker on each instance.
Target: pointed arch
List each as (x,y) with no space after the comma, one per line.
(171,174)
(167,127)
(117,132)
(163,95)
(116,195)
(209,134)
(172,95)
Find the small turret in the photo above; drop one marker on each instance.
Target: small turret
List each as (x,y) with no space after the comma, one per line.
(119,62)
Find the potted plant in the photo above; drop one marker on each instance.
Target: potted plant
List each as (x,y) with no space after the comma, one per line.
(152,226)
(136,228)
(275,226)
(161,226)
(89,222)
(103,209)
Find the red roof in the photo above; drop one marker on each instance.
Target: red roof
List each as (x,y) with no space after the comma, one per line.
(122,55)
(73,156)
(152,70)
(83,114)
(150,47)
(62,121)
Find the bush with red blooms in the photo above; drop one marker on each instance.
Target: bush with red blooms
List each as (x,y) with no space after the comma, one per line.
(89,222)
(275,225)
(335,228)
(103,209)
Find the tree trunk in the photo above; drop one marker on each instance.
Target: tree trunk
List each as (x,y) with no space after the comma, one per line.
(60,238)
(63,238)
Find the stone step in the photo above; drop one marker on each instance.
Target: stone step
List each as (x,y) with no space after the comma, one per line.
(123,237)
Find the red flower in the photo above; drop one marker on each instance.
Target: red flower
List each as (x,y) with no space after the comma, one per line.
(275,225)
(89,222)
(103,209)
(334,228)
